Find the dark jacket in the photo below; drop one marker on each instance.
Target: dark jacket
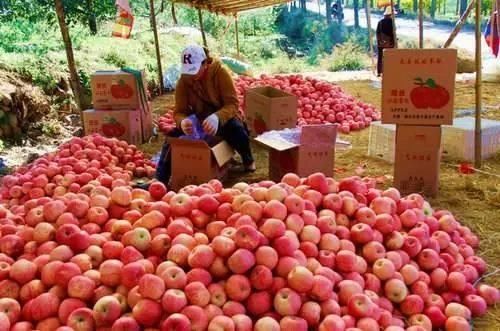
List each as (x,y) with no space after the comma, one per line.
(385,33)
(214,94)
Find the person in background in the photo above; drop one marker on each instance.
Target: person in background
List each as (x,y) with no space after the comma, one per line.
(385,37)
(206,90)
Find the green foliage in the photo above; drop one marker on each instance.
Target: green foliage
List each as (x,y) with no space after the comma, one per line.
(347,56)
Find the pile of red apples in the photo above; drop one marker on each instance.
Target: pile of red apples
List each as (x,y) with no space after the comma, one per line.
(319,102)
(81,250)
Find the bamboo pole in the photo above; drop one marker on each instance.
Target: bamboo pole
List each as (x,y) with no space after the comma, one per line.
(421,23)
(477,135)
(237,35)
(393,17)
(157,44)
(370,33)
(200,18)
(174,15)
(73,73)
(459,25)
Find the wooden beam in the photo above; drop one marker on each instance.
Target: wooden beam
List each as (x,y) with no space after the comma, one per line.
(477,134)
(370,33)
(157,43)
(459,25)
(73,73)
(236,31)
(202,29)
(421,23)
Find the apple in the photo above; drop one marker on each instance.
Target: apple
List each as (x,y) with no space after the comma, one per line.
(176,322)
(111,271)
(476,304)
(125,324)
(490,294)
(81,287)
(197,294)
(266,324)
(395,290)
(11,308)
(173,301)
(345,261)
(287,302)
(259,303)
(360,305)
(384,269)
(106,310)
(332,323)
(261,277)
(23,271)
(237,287)
(174,278)
(202,256)
(300,279)
(147,312)
(241,261)
(456,281)
(151,287)
(242,322)
(81,319)
(457,323)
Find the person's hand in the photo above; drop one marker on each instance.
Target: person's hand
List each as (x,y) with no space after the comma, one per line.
(211,125)
(187,126)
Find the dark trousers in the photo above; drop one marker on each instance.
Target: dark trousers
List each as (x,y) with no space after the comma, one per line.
(380,59)
(234,131)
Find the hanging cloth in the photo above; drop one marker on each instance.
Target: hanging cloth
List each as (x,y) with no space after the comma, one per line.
(492,30)
(122,28)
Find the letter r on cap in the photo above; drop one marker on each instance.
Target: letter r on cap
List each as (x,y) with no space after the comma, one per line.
(187,59)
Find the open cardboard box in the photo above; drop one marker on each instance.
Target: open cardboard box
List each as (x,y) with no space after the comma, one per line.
(267,108)
(196,161)
(417,159)
(315,152)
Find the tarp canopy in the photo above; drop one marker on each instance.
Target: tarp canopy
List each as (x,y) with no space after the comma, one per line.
(230,6)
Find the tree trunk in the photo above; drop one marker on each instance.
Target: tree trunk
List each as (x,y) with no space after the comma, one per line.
(303,5)
(463,6)
(73,73)
(433,8)
(328,4)
(415,6)
(92,18)
(152,18)
(458,7)
(356,13)
(174,16)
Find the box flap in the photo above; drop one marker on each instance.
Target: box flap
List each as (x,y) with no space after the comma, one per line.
(318,134)
(276,144)
(222,153)
(187,142)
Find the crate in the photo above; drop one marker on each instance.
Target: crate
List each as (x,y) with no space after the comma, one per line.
(458,139)
(382,141)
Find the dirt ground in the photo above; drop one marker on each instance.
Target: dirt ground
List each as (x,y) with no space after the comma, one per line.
(474,199)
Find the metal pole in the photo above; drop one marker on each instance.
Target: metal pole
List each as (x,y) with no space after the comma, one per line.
(393,17)
(420,23)
(477,133)
(157,44)
(200,18)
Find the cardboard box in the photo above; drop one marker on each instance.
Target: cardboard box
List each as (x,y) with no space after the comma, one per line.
(196,162)
(121,124)
(267,108)
(116,90)
(315,152)
(147,122)
(382,141)
(418,86)
(417,160)
(458,139)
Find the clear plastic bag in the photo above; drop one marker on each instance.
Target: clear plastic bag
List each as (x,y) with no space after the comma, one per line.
(171,77)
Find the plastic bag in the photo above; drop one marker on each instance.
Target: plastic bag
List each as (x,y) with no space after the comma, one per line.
(293,136)
(237,66)
(171,77)
(198,133)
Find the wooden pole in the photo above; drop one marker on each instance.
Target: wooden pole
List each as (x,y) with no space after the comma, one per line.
(73,73)
(370,33)
(477,134)
(200,18)
(459,25)
(421,23)
(393,17)
(174,16)
(237,35)
(157,44)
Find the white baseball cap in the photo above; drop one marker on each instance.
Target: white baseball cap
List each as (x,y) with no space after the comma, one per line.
(192,57)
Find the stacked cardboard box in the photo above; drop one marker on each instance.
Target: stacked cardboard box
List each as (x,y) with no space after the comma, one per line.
(121,107)
(418,96)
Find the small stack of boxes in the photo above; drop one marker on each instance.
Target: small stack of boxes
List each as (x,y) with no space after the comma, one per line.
(121,106)
(269,109)
(418,96)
